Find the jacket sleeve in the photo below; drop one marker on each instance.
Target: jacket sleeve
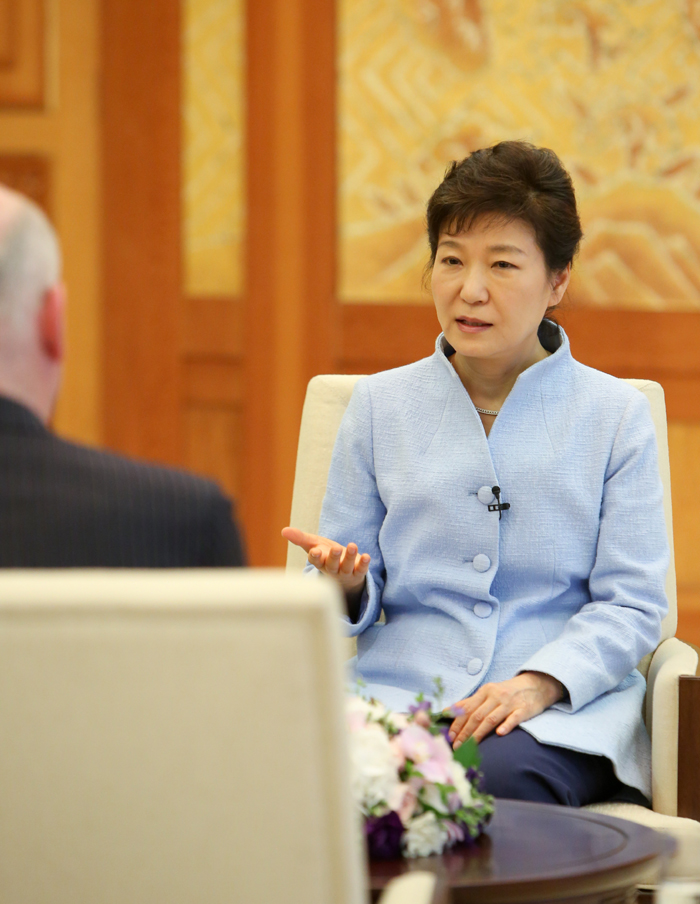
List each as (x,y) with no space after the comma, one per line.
(352,508)
(605,640)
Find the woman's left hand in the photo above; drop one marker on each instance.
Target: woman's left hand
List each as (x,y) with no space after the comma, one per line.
(504,705)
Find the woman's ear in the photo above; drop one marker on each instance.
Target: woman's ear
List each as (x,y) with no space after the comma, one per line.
(560,282)
(52,323)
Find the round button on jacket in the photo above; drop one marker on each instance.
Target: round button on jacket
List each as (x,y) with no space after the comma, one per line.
(474,666)
(481,562)
(485,495)
(483,610)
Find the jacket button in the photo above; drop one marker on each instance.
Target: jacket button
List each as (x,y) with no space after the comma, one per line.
(483,610)
(481,562)
(485,495)
(474,666)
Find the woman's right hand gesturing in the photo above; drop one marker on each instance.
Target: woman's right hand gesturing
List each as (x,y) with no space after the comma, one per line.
(344,563)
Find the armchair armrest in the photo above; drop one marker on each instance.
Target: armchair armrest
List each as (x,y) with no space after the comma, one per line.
(415,888)
(671,660)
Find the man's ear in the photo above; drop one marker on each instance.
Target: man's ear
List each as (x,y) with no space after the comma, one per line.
(52,323)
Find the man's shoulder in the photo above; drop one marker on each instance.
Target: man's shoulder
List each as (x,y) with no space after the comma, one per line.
(67,504)
(121,472)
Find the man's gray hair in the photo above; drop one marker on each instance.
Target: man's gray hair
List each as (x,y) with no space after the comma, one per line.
(30,263)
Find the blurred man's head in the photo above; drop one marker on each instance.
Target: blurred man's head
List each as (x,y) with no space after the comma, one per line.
(32,301)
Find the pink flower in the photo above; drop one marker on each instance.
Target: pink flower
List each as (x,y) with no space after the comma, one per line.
(430,754)
(454,802)
(422,718)
(397,750)
(455,832)
(403,801)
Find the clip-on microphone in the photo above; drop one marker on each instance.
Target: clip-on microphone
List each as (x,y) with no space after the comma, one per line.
(498,506)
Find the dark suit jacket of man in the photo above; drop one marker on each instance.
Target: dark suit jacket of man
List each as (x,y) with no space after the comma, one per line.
(65,505)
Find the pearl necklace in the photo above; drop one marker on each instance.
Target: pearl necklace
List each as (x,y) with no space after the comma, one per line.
(486,411)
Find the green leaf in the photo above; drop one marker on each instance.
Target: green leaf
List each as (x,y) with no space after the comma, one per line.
(468,754)
(439,692)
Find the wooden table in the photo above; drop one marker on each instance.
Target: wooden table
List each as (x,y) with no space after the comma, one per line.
(535,852)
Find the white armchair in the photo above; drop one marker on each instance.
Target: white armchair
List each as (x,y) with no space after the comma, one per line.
(326,400)
(179,737)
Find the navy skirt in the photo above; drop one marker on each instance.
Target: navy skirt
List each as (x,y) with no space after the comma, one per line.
(518,767)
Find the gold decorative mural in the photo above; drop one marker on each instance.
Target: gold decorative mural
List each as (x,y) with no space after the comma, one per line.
(213,115)
(613,86)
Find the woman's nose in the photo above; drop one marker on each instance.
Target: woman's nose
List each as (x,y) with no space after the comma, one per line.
(474,289)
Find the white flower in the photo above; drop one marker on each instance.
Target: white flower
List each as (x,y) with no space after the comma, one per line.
(424,836)
(397,721)
(359,712)
(461,783)
(374,767)
(432,797)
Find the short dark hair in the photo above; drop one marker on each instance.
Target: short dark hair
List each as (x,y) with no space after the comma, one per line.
(516,181)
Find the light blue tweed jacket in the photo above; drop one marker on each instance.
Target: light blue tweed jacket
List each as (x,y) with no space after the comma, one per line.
(570,581)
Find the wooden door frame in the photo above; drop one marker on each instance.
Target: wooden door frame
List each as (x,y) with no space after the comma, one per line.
(141,260)
(290,311)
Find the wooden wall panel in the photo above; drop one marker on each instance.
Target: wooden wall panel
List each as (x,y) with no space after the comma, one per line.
(213,327)
(29,174)
(689,618)
(213,438)
(290,264)
(22,53)
(662,347)
(52,154)
(8,38)
(212,379)
(141,221)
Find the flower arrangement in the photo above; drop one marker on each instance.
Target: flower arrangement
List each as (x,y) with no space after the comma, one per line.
(416,794)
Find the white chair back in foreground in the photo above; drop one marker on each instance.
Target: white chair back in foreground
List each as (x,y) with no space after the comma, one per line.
(174,737)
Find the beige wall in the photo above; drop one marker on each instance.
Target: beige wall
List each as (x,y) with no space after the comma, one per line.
(65,133)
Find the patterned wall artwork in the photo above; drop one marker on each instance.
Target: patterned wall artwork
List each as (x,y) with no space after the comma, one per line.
(612,85)
(213,112)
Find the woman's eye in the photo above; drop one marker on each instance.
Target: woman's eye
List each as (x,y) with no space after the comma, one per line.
(504,265)
(451,261)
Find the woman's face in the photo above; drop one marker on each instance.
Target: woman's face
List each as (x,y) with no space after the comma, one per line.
(491,290)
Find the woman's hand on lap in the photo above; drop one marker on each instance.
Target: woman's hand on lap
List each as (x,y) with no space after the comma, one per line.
(503,705)
(344,563)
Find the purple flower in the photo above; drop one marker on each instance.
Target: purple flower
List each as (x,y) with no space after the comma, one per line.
(423,706)
(384,836)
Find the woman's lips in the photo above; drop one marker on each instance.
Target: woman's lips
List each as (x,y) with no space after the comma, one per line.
(468,325)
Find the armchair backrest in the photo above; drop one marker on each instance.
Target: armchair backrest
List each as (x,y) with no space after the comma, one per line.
(174,736)
(326,400)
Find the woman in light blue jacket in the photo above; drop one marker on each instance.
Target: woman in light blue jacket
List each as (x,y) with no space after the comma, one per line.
(501,503)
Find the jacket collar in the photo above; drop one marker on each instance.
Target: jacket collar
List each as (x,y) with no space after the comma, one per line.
(552,337)
(17,418)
